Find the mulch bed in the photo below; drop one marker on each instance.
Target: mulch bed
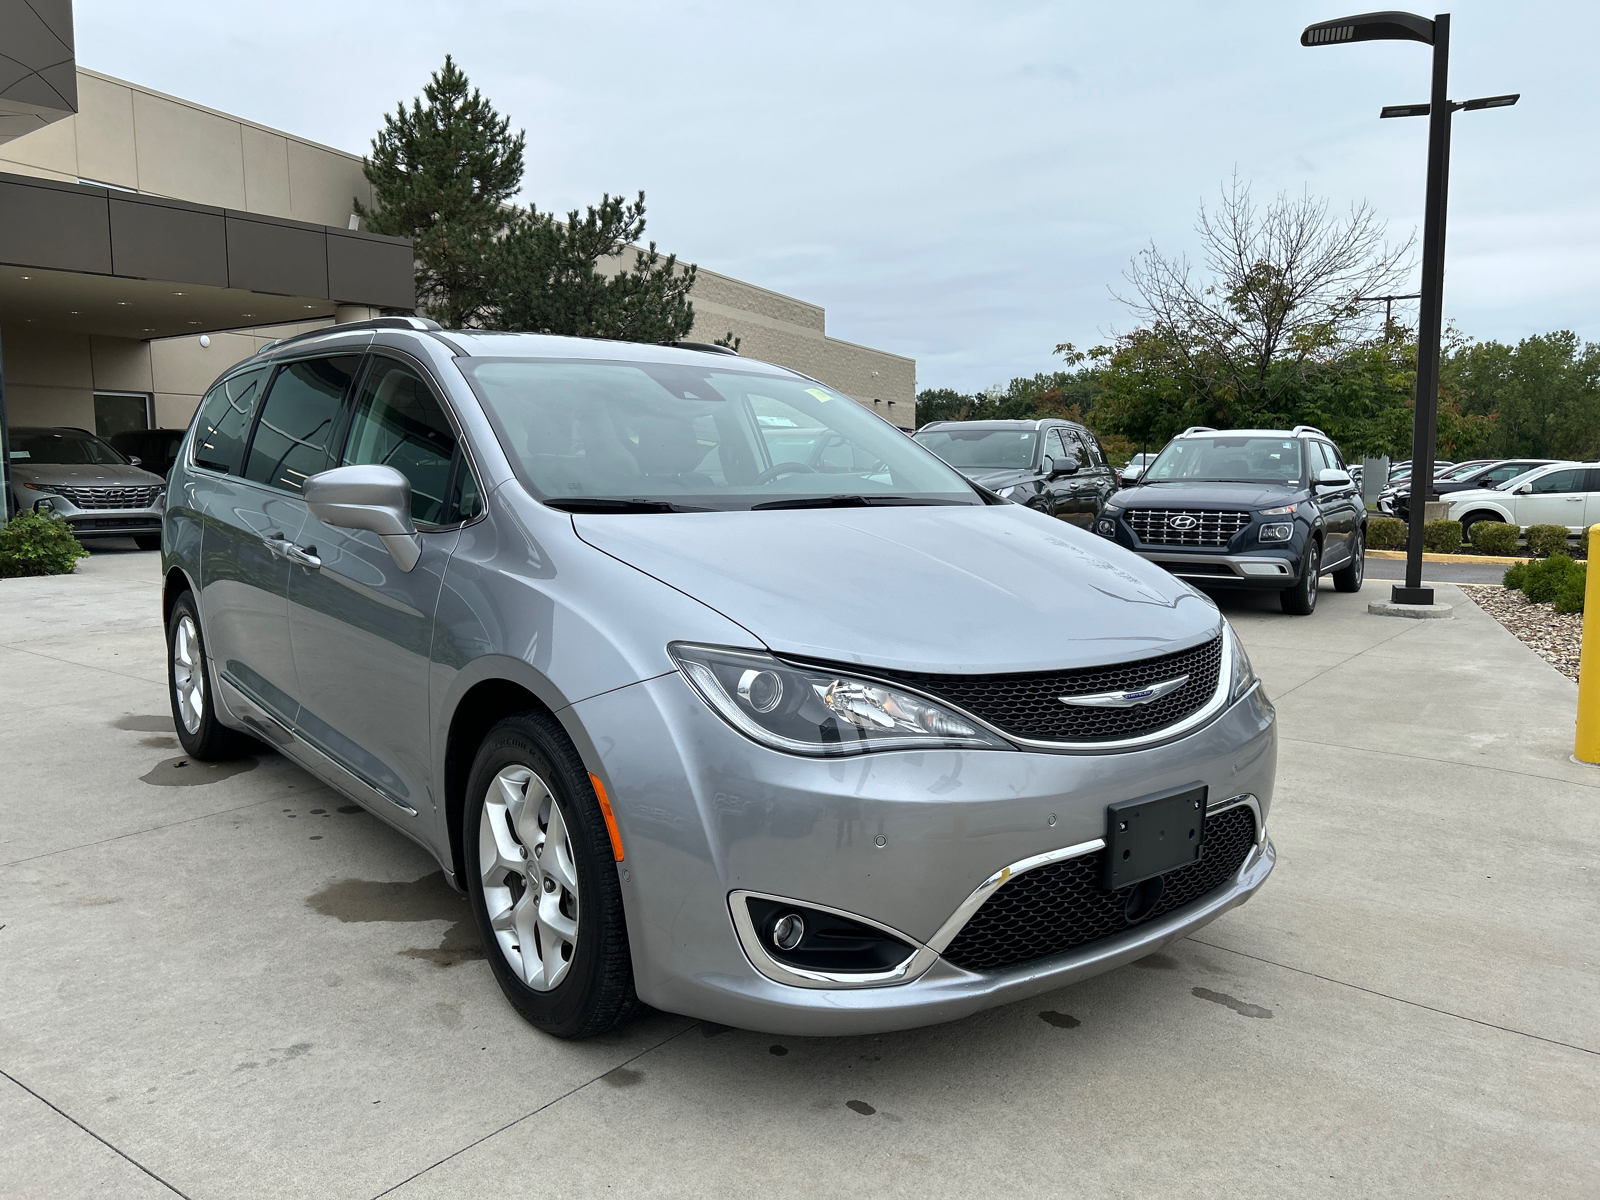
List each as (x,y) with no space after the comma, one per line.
(1554,637)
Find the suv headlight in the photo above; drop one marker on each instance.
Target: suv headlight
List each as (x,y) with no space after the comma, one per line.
(817,712)
(42,487)
(1277,533)
(1243,674)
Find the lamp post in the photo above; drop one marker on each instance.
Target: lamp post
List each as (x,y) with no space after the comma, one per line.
(1400,26)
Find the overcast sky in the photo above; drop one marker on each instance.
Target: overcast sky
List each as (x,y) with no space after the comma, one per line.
(962,183)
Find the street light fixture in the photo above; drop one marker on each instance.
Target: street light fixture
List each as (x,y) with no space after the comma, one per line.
(1400,26)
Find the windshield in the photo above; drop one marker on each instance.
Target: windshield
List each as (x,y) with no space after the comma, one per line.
(982,449)
(708,437)
(1229,460)
(62,447)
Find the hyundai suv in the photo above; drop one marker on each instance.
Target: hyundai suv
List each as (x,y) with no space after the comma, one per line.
(692,723)
(1247,508)
(80,478)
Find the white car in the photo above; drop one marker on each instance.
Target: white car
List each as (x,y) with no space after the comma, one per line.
(1136,467)
(1559,494)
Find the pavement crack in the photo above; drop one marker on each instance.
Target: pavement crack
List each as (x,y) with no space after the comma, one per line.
(85,666)
(535,1112)
(115,1150)
(1443,1012)
(1348,658)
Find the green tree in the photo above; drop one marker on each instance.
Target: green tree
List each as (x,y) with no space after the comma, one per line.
(1541,397)
(442,174)
(555,277)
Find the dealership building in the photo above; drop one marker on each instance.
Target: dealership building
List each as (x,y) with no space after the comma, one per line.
(147,243)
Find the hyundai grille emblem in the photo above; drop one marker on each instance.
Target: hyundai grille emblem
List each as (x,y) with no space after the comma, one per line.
(1182,521)
(1142,695)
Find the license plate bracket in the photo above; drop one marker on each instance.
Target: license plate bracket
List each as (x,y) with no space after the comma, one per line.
(1153,835)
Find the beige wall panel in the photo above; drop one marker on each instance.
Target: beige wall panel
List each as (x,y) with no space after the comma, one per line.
(121,364)
(182,365)
(52,149)
(731,293)
(322,184)
(49,406)
(186,153)
(266,172)
(46,358)
(175,411)
(105,132)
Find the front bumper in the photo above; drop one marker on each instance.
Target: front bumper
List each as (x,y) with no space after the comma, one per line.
(900,839)
(1259,569)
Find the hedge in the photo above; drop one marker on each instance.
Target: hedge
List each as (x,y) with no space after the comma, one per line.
(1495,537)
(1556,580)
(36,543)
(1545,540)
(1386,533)
(1442,537)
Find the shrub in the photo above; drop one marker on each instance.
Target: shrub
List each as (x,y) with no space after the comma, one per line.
(38,544)
(1545,540)
(1569,599)
(1516,575)
(1386,533)
(1442,537)
(1583,544)
(1546,578)
(1495,537)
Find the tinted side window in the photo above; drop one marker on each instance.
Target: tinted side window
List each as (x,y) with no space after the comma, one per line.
(1092,445)
(291,440)
(1053,445)
(399,424)
(466,501)
(1559,481)
(223,422)
(1331,453)
(1076,445)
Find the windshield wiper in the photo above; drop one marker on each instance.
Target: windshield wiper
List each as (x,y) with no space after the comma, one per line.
(854,502)
(608,504)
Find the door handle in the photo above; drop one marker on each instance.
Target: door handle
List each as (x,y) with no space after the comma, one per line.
(277,543)
(306,556)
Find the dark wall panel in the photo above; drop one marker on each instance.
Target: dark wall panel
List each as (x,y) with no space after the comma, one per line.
(371,271)
(157,241)
(62,228)
(270,256)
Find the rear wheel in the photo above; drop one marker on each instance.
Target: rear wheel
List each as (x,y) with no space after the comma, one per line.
(1300,599)
(194,714)
(543,881)
(1348,579)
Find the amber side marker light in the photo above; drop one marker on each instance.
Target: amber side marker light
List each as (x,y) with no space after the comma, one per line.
(611,817)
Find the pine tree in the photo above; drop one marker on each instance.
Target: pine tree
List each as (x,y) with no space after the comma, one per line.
(442,175)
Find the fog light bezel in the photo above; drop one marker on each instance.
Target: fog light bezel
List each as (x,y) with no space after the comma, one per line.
(754,913)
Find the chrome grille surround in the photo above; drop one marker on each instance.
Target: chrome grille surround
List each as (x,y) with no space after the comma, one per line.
(110,496)
(1211,527)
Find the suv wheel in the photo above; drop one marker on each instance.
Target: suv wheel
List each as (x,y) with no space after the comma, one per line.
(1300,599)
(194,713)
(543,881)
(1349,578)
(1471,519)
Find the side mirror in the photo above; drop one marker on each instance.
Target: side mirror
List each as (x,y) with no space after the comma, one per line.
(374,498)
(1524,490)
(1332,478)
(135,461)
(1065,466)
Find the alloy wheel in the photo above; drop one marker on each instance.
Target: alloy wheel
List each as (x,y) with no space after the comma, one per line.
(188,674)
(530,882)
(1313,577)
(1360,563)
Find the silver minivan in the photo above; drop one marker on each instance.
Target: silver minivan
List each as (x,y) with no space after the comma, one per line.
(696,715)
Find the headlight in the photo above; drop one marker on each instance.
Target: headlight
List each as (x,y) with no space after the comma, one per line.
(41,487)
(1243,673)
(1277,512)
(1277,533)
(1006,491)
(806,711)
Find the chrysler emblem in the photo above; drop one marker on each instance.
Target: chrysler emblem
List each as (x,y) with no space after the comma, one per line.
(1142,695)
(1182,521)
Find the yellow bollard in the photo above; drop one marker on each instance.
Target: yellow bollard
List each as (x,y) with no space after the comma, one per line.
(1588,743)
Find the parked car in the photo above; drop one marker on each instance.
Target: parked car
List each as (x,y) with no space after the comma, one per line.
(1250,508)
(1054,466)
(80,477)
(739,738)
(1475,477)
(153,449)
(1563,493)
(1135,467)
(1400,482)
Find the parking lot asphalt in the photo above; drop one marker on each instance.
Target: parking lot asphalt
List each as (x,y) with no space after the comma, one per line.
(230,982)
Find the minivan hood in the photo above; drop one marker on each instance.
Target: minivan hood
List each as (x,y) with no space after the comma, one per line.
(943,589)
(998,480)
(80,474)
(1210,495)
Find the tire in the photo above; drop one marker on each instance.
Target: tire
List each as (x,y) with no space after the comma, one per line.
(1300,599)
(194,713)
(1472,518)
(147,541)
(526,886)
(1348,579)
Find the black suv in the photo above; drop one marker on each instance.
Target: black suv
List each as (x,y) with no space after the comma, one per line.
(1253,508)
(1052,465)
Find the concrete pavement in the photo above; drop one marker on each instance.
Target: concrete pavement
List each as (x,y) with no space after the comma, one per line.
(227,984)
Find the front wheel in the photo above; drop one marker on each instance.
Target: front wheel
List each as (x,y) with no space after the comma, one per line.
(194,711)
(1348,579)
(1300,599)
(543,880)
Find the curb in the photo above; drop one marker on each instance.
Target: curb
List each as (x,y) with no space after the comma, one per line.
(1487,560)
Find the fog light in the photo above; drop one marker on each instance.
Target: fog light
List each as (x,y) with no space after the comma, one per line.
(1105,528)
(787,931)
(761,690)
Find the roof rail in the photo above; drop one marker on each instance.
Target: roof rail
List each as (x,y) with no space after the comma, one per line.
(1197,429)
(703,347)
(418,324)
(1299,429)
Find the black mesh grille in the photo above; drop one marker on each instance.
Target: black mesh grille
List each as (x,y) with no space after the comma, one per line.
(1185,526)
(1030,706)
(1061,906)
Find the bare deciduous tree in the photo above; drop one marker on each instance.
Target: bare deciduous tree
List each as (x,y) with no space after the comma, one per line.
(1279,286)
